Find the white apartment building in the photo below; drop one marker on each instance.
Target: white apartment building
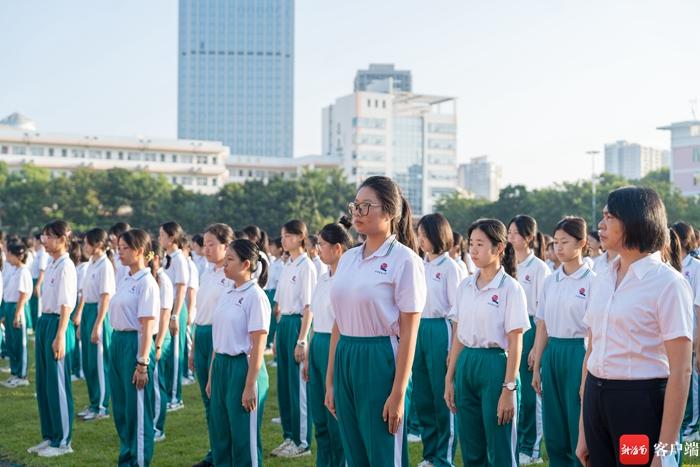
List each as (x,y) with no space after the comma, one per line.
(242,168)
(199,166)
(481,177)
(633,161)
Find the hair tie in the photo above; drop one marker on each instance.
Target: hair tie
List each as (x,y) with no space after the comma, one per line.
(149,256)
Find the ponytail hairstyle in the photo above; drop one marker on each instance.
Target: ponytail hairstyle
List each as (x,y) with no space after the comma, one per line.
(461,244)
(396,206)
(257,236)
(18,250)
(75,252)
(247,250)
(671,252)
(137,239)
(154,260)
(438,230)
(527,228)
(336,234)
(99,238)
(58,228)
(297,227)
(686,235)
(278,242)
(575,227)
(222,232)
(498,235)
(175,232)
(198,239)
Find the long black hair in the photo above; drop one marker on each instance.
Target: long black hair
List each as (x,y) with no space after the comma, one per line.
(99,238)
(247,250)
(527,228)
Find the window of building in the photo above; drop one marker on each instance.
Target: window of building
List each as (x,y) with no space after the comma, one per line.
(174,158)
(696,154)
(186,180)
(201,181)
(695,130)
(134,156)
(121,156)
(4,149)
(51,152)
(64,152)
(696,179)
(19,150)
(162,157)
(202,159)
(369,102)
(174,179)
(185,159)
(36,151)
(108,155)
(214,182)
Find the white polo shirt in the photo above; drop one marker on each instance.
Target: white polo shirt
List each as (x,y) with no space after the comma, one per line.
(369,294)
(462,267)
(296,285)
(214,285)
(563,302)
(601,263)
(60,286)
(486,316)
(321,267)
(40,263)
(81,273)
(239,312)
(99,280)
(167,294)
(274,274)
(136,297)
(18,280)
(193,282)
(531,273)
(652,304)
(179,270)
(691,272)
(321,305)
(442,278)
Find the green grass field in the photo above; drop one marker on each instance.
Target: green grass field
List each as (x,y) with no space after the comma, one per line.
(96,444)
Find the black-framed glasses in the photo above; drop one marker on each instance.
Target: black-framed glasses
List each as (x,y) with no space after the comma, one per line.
(361,209)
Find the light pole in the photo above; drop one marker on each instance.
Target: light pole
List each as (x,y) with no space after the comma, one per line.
(593,180)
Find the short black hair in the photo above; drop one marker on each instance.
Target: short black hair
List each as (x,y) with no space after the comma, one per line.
(438,231)
(643,216)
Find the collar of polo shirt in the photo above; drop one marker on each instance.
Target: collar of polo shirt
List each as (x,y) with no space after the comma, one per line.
(495,283)
(578,274)
(527,261)
(688,259)
(383,250)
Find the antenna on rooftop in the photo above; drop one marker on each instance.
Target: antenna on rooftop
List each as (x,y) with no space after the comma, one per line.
(693,107)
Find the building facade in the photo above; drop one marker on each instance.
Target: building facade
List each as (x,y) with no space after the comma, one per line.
(243,168)
(685,156)
(633,161)
(236,74)
(401,79)
(481,177)
(198,166)
(409,137)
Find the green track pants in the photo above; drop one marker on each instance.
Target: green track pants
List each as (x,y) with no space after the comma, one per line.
(202,360)
(530,431)
(96,359)
(16,341)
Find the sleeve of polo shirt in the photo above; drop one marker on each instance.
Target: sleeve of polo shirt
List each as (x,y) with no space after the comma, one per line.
(454,278)
(68,290)
(454,311)
(106,285)
(675,311)
(194,276)
(410,290)
(168,298)
(43,262)
(149,300)
(25,282)
(539,312)
(308,282)
(280,284)
(181,272)
(696,293)
(516,309)
(259,313)
(542,274)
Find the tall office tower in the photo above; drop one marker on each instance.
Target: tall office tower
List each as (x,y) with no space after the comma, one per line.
(236,74)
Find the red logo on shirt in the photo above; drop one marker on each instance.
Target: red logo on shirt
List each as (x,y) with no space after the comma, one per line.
(687,274)
(383,267)
(582,291)
(494,299)
(527,277)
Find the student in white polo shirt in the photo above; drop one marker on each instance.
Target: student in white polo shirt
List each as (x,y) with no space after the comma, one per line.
(640,317)
(691,272)
(529,246)
(460,254)
(15,304)
(559,344)
(378,295)
(134,314)
(276,267)
(41,261)
(321,267)
(115,232)
(98,288)
(214,284)
(333,241)
(238,380)
(171,238)
(442,278)
(293,297)
(54,345)
(482,385)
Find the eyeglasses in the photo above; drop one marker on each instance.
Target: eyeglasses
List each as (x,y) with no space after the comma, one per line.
(361,209)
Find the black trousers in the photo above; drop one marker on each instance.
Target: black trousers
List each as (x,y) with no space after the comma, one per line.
(612,408)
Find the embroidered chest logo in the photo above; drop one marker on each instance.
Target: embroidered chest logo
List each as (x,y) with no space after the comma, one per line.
(240,300)
(222,281)
(687,274)
(437,275)
(527,279)
(494,300)
(581,293)
(133,289)
(294,279)
(383,269)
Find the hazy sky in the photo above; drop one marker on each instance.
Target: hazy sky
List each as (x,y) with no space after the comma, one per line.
(538,83)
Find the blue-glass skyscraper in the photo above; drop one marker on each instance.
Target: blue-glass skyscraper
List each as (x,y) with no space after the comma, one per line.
(236,74)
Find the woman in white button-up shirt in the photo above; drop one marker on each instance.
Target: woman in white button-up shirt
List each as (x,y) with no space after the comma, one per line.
(638,363)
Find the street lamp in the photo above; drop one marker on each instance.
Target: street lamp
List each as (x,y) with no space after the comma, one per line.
(593,180)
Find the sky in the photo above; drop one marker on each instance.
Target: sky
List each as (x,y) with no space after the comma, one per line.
(538,84)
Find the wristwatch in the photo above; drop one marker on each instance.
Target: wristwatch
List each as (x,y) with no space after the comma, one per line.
(301,343)
(173,317)
(510,386)
(144,361)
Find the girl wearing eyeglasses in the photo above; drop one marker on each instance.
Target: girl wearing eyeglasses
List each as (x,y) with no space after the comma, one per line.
(378,295)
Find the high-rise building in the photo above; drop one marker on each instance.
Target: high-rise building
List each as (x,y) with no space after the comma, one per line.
(633,161)
(409,137)
(481,177)
(236,74)
(401,79)
(685,156)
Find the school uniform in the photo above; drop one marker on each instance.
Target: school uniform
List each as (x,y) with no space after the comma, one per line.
(321,267)
(77,356)
(368,296)
(588,261)
(214,285)
(236,433)
(193,284)
(17,281)
(201,262)
(164,366)
(628,366)
(136,297)
(53,377)
(442,278)
(484,319)
(273,278)
(329,447)
(120,270)
(179,273)
(41,261)
(601,263)
(462,267)
(531,273)
(561,307)
(294,293)
(3,330)
(691,272)
(99,280)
